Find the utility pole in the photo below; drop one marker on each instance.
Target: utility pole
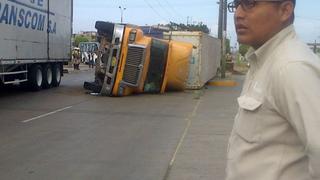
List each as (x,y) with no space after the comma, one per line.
(222,33)
(122,9)
(225,5)
(220,19)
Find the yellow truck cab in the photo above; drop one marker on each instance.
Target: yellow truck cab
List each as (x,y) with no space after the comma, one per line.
(130,63)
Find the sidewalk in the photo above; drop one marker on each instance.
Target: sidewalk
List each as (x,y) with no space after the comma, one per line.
(202,155)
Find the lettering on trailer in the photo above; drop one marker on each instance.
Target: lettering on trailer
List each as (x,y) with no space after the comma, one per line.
(29,14)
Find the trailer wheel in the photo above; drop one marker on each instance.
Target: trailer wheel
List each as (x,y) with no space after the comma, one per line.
(47,76)
(35,78)
(56,75)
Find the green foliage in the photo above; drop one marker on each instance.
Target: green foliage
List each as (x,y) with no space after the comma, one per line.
(243,49)
(238,59)
(79,39)
(228,49)
(189,27)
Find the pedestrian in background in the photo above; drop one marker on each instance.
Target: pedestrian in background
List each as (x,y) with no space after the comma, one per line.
(76,60)
(277,128)
(91,60)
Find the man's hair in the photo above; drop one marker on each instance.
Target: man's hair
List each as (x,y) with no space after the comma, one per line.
(293,15)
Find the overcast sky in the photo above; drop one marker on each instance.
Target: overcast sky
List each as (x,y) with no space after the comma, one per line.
(151,12)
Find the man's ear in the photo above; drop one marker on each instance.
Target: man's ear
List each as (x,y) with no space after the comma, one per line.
(286,10)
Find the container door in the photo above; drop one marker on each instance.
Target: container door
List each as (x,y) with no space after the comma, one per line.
(59,29)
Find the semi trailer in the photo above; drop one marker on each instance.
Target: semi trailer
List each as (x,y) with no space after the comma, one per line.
(206,56)
(129,62)
(35,41)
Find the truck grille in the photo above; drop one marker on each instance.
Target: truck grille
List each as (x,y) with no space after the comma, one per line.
(134,65)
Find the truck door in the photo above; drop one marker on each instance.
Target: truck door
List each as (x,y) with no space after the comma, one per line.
(59,29)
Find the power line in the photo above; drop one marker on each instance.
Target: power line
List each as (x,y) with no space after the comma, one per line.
(173,9)
(174,15)
(189,4)
(156,11)
(179,5)
(160,5)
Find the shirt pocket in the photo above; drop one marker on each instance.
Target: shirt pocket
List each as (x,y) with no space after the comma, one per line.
(248,120)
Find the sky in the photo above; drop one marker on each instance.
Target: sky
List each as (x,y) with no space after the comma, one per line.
(153,12)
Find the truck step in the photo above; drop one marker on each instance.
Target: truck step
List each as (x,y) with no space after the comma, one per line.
(15,81)
(15,72)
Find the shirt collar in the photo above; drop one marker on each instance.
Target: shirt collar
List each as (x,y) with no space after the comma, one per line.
(258,57)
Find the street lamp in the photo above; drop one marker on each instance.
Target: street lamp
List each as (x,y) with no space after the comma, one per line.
(122,9)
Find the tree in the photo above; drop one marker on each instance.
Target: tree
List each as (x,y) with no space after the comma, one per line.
(79,39)
(189,27)
(228,48)
(243,49)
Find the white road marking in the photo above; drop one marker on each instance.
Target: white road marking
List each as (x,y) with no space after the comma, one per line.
(47,114)
(189,119)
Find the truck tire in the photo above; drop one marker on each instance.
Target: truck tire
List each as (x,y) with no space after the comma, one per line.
(105,29)
(35,78)
(47,76)
(56,75)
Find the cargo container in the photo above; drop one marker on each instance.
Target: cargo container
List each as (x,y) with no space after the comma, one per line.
(205,59)
(130,63)
(35,41)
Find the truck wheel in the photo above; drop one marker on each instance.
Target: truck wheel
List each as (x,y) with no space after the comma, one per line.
(105,28)
(35,78)
(47,76)
(56,75)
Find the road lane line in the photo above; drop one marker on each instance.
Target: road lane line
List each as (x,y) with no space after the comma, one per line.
(47,114)
(189,119)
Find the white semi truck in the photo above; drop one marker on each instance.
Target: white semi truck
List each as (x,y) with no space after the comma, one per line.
(35,41)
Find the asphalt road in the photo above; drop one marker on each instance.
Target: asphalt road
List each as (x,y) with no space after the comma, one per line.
(64,133)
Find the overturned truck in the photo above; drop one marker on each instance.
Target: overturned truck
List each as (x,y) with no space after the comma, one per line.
(130,63)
